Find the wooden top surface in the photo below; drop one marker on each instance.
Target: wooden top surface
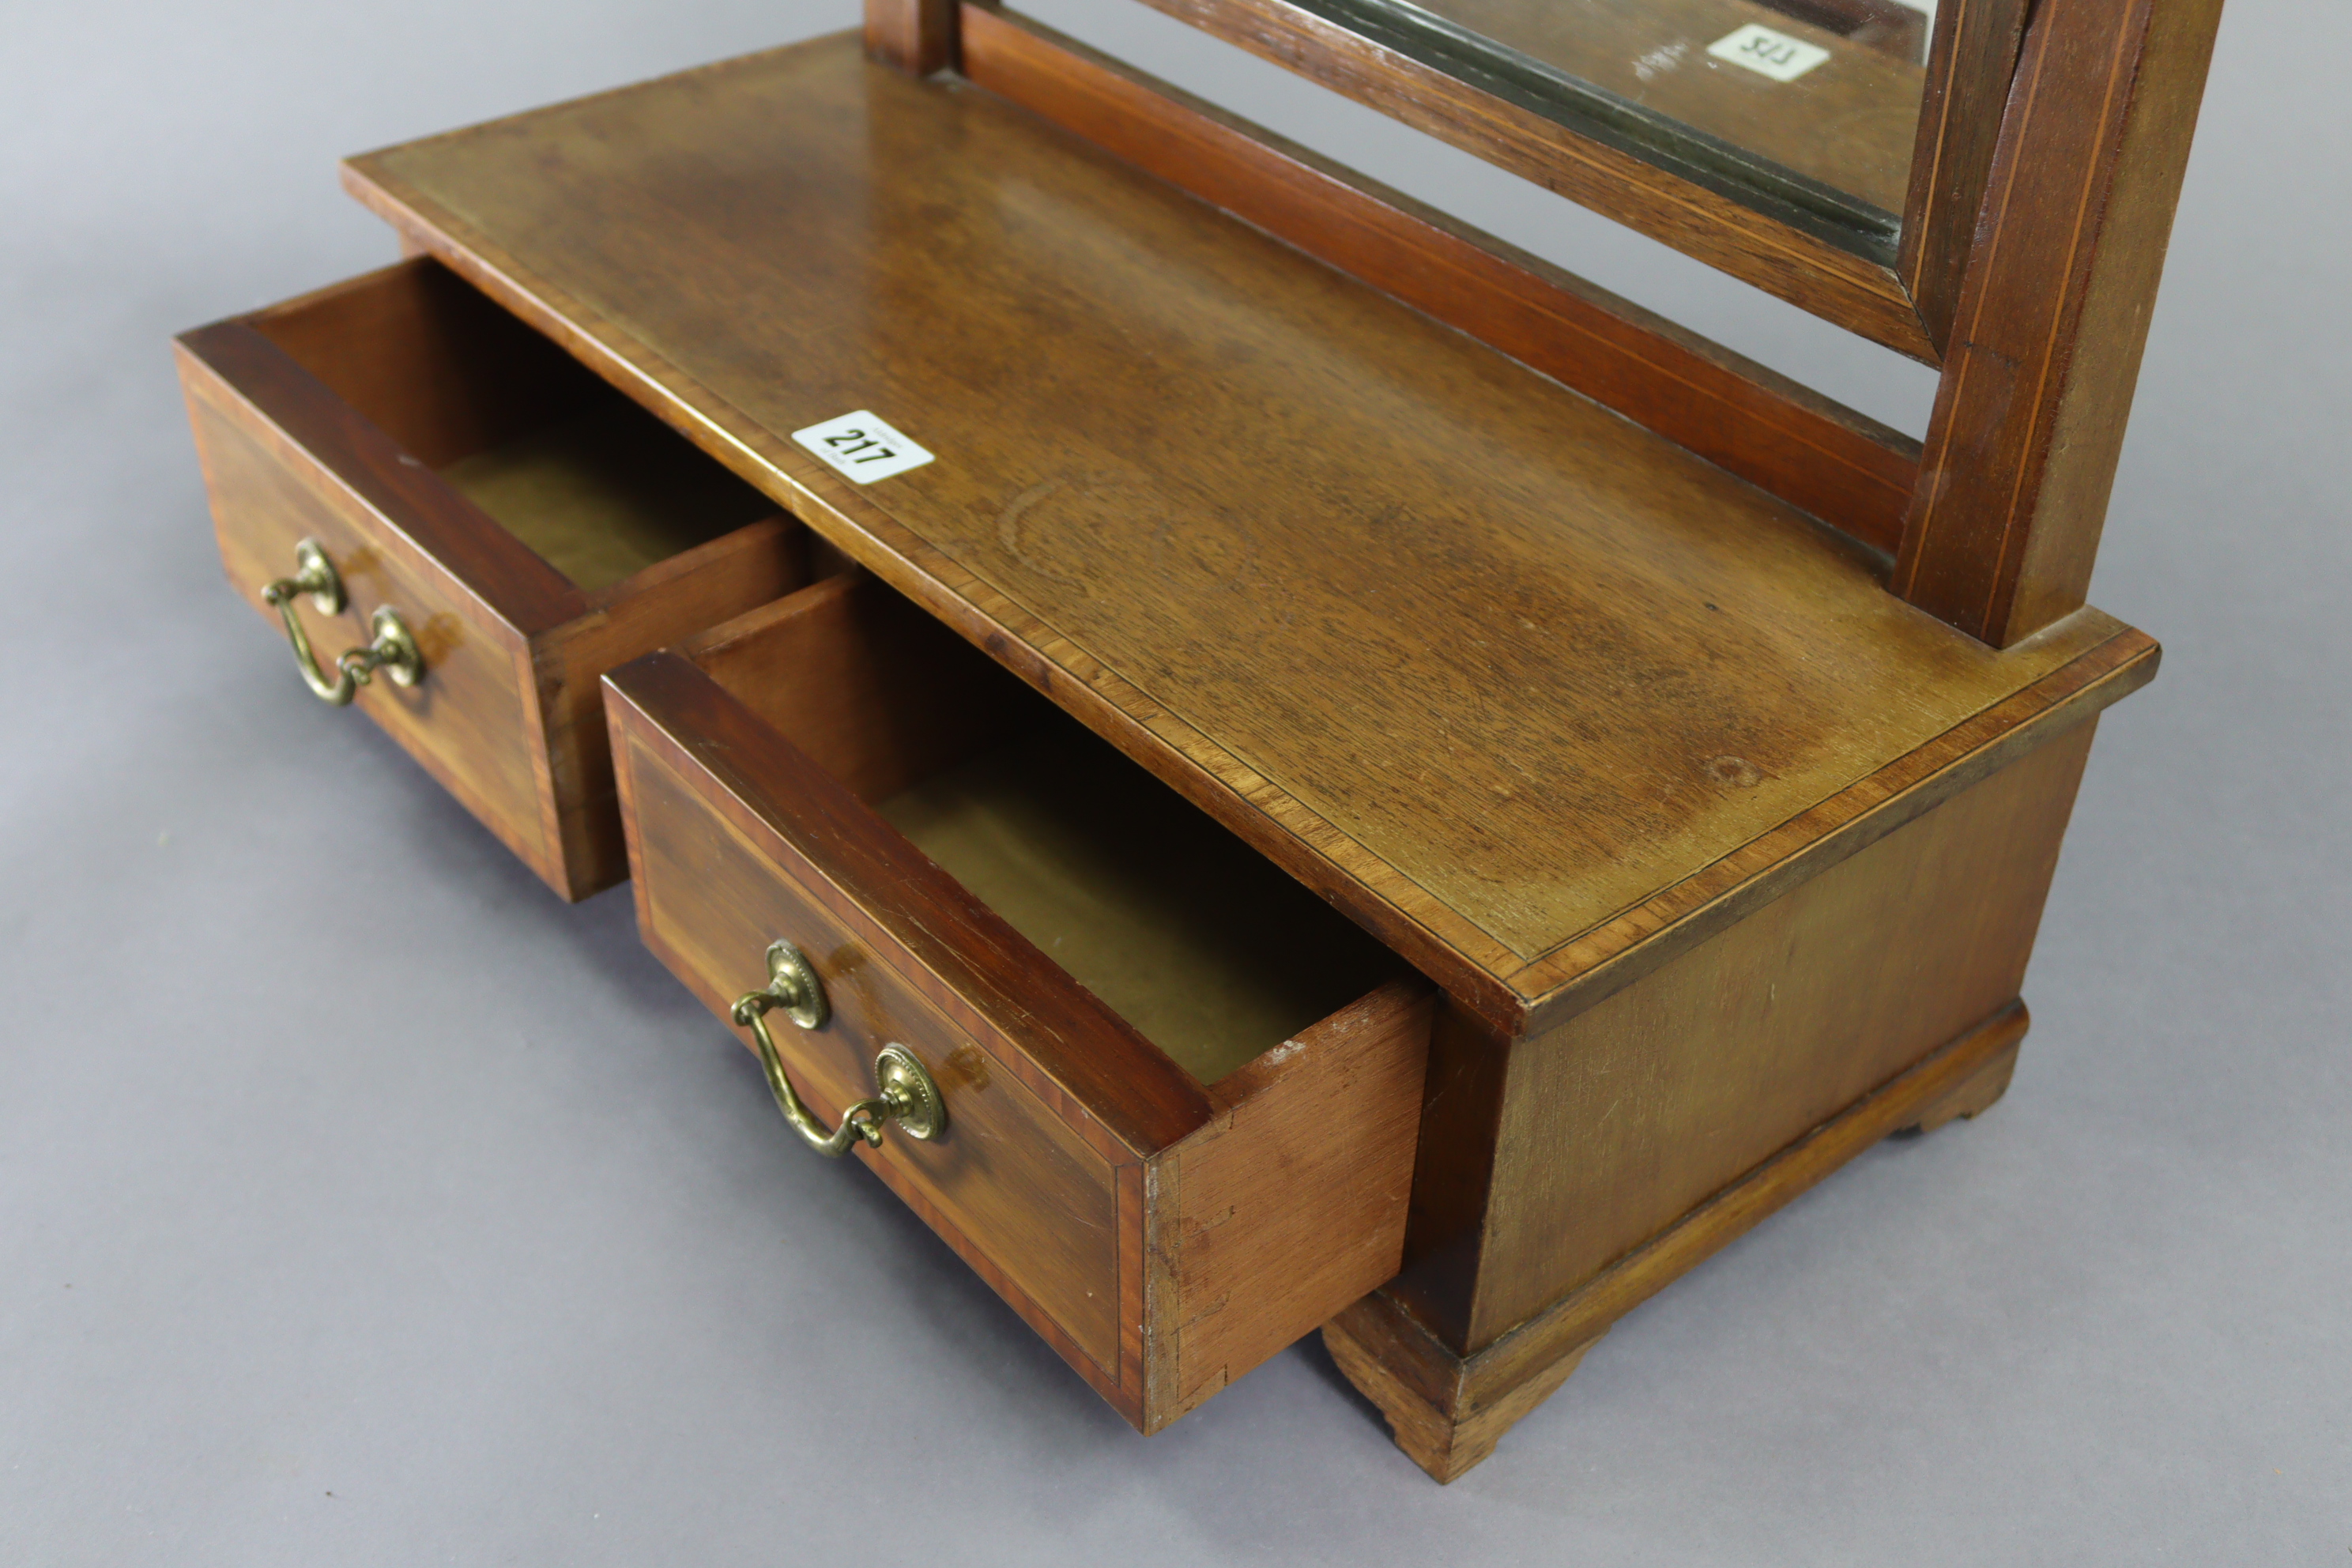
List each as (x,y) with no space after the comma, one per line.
(1492,668)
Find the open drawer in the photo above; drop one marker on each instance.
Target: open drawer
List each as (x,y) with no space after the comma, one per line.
(466,482)
(1181,1094)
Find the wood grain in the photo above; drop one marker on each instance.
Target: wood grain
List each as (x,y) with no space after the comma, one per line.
(1448,1410)
(427,361)
(1210,952)
(484,562)
(661,605)
(830,851)
(330,415)
(1574,1320)
(1623,1119)
(1798,264)
(1639,941)
(606,494)
(1730,861)
(1171,527)
(1292,1204)
(2030,417)
(469,722)
(917,37)
(1013,1181)
(1218,1224)
(1978,1094)
(1974,54)
(1548,1155)
(876,693)
(1846,469)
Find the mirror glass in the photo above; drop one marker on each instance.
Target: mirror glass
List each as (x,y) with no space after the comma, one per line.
(1808,109)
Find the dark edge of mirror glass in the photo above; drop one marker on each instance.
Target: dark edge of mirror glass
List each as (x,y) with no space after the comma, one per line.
(1806,204)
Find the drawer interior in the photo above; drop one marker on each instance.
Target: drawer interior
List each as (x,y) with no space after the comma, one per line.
(599,487)
(1212,954)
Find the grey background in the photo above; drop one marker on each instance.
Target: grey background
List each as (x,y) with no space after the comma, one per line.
(360,1203)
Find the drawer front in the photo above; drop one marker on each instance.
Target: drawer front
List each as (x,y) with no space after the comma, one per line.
(1021,1194)
(472,720)
(1163,1236)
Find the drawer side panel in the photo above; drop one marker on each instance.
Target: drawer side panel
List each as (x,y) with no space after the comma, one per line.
(1294,1205)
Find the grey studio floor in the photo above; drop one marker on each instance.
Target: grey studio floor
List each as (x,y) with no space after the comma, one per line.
(362,1204)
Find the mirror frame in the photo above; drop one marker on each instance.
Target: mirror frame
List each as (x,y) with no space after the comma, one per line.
(1906,300)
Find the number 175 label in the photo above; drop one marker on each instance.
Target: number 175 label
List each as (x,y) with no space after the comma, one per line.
(861,447)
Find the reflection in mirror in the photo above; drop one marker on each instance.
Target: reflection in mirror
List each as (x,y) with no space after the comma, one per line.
(1883,385)
(1808,109)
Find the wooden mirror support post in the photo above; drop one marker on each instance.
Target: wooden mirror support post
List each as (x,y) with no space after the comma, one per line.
(2053,313)
(917,37)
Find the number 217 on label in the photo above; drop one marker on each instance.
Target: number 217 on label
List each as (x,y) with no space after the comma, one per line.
(860,447)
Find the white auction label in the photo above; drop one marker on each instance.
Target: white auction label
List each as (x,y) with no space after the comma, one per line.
(861,447)
(1760,50)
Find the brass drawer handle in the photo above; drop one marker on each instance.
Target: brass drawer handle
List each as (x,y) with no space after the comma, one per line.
(906,1093)
(391,649)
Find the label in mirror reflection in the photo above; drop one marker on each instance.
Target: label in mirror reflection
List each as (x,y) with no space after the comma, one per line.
(1806,107)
